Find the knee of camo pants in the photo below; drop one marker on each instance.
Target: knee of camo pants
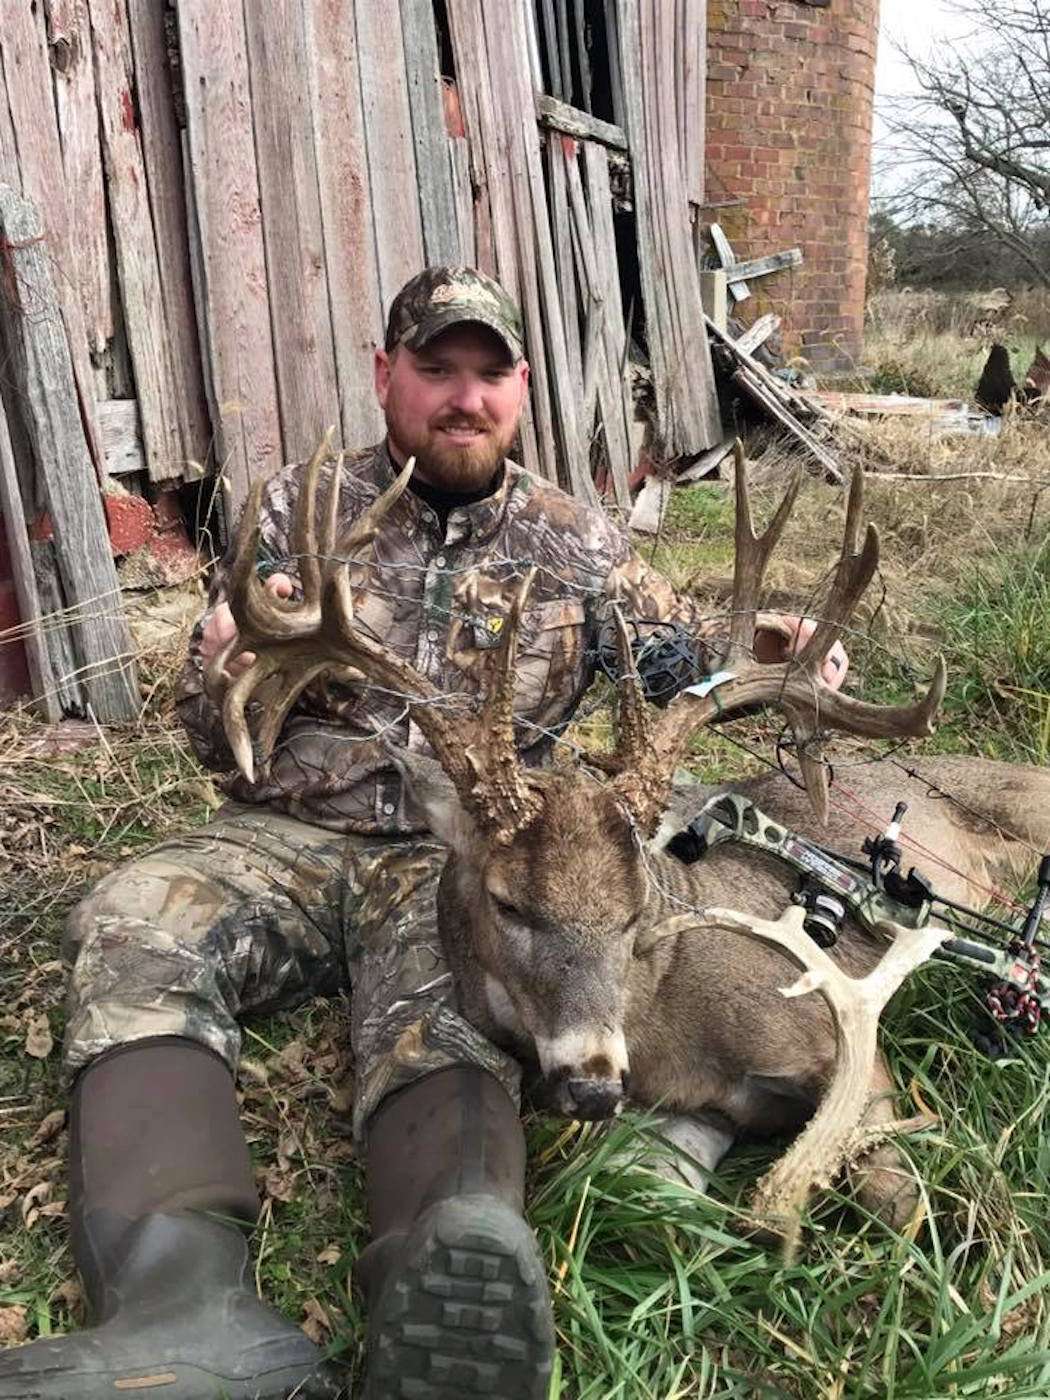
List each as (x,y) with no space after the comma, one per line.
(200,932)
(404,1020)
(135,976)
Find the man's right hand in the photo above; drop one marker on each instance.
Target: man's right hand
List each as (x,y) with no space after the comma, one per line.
(220,627)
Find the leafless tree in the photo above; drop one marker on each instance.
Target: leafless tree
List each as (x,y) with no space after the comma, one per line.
(972,150)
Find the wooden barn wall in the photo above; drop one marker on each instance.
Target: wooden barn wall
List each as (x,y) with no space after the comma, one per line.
(230,194)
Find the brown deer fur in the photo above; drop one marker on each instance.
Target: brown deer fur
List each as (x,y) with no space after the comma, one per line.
(576,942)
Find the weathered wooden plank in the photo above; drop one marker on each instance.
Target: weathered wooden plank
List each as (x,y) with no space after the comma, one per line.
(564,262)
(433,158)
(559,87)
(617,406)
(25,78)
(650,506)
(535,65)
(706,463)
(508,54)
(391,154)
(162,153)
(76,106)
(333,80)
(758,333)
(775,407)
(683,378)
(801,404)
(304,355)
(612,40)
(118,430)
(134,240)
(761,267)
(38,661)
(498,249)
(564,55)
(583,59)
(559,116)
(459,156)
(738,290)
(692,67)
(41,366)
(232,294)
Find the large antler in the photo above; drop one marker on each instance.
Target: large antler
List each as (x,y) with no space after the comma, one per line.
(296,642)
(648,751)
(835,1132)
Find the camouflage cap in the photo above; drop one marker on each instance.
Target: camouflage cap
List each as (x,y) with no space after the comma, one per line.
(440,297)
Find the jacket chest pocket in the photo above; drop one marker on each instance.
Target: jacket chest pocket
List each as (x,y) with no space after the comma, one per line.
(551,663)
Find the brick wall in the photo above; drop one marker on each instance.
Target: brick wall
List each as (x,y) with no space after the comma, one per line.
(789,110)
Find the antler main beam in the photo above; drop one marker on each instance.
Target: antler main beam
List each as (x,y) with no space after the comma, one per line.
(794,686)
(297,641)
(829,1140)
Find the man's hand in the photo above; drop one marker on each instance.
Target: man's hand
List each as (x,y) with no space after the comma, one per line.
(220,627)
(787,635)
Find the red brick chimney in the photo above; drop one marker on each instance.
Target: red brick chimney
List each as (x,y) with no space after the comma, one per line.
(790,91)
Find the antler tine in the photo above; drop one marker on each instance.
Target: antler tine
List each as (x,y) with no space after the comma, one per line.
(795,687)
(304,528)
(477,752)
(853,573)
(500,794)
(752,552)
(292,639)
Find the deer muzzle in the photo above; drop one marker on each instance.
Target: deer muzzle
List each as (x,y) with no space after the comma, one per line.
(586,1073)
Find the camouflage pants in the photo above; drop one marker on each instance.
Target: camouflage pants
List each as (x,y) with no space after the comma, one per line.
(257,912)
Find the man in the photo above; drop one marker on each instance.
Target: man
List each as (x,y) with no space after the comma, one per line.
(317,877)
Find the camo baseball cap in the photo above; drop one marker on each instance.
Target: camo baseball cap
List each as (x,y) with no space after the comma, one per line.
(439,297)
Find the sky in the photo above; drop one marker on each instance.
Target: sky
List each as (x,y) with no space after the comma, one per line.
(918,24)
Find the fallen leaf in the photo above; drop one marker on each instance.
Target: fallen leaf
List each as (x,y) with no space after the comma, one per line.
(331,1254)
(13,1327)
(39,1041)
(315,1322)
(8,1272)
(279,1185)
(49,1127)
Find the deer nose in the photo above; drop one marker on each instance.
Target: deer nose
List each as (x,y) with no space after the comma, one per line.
(595,1098)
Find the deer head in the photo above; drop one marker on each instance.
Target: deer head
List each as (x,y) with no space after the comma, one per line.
(547,879)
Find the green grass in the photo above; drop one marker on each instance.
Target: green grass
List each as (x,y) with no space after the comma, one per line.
(994,628)
(659,1294)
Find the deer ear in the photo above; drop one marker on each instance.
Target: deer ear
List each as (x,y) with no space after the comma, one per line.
(433,797)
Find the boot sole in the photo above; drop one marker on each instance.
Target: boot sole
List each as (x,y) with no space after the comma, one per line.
(177,1382)
(466,1313)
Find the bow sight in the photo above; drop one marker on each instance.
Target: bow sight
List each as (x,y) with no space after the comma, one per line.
(832,886)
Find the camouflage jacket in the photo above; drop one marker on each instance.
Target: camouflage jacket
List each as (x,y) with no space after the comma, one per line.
(439,598)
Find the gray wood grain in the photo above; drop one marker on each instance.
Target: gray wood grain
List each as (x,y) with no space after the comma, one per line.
(40,364)
(77,109)
(136,249)
(162,154)
(559,116)
(391,153)
(38,661)
(304,355)
(333,79)
(27,92)
(441,242)
(229,260)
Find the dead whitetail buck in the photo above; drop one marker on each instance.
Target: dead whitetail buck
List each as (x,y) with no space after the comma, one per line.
(573,939)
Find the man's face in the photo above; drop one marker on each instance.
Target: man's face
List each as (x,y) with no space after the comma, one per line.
(454,405)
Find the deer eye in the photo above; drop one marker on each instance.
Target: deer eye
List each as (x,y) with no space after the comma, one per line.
(505,908)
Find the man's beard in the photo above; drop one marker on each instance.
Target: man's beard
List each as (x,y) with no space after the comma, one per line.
(455,467)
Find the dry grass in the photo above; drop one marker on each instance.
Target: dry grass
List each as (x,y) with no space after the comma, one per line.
(934,344)
(692,1294)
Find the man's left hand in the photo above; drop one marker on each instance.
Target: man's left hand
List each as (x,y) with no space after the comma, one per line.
(786,635)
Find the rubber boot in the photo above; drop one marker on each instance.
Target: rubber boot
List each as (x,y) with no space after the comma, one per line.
(160,1188)
(457,1295)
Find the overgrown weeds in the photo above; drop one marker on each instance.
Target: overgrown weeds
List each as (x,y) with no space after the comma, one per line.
(658,1294)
